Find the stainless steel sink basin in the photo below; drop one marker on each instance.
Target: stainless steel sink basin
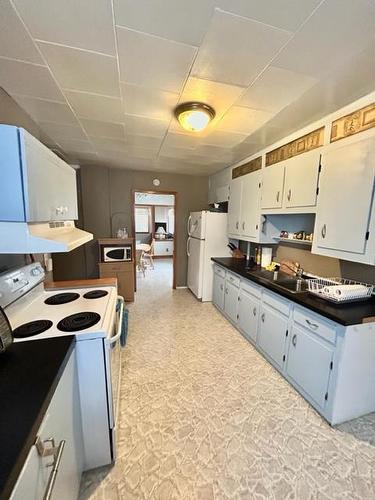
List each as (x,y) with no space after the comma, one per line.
(293,285)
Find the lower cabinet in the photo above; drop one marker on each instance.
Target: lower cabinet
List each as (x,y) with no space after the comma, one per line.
(62,423)
(248,314)
(272,334)
(218,291)
(231,301)
(310,363)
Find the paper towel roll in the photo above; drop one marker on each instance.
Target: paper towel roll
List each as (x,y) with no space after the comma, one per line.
(266,256)
(345,291)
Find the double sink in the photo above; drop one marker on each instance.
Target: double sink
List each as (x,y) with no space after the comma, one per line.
(290,283)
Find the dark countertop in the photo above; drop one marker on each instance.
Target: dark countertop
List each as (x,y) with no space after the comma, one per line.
(345,314)
(29,374)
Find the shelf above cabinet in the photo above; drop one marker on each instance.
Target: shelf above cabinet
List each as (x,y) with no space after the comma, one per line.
(294,241)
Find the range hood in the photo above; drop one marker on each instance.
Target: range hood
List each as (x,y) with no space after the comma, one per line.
(38,197)
(49,237)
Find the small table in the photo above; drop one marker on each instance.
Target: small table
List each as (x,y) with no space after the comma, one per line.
(143,246)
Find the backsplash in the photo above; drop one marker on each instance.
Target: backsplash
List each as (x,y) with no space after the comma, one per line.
(318,264)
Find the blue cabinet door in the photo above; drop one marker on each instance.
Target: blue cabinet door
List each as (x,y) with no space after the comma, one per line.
(309,363)
(272,334)
(231,301)
(218,291)
(248,314)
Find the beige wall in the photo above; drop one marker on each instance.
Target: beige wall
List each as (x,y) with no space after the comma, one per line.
(106,206)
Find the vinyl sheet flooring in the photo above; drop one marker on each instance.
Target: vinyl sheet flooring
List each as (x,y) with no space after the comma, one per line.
(204,416)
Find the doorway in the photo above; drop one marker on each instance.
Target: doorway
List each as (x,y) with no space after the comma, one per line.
(154,230)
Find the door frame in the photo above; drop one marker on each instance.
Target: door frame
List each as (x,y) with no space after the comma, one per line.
(133,204)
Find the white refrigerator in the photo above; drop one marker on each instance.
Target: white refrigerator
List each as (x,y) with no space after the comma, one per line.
(207,237)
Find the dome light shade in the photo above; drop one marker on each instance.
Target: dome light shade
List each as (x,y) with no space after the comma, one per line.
(194,116)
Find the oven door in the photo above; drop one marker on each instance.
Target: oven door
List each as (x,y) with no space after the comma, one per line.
(113,372)
(113,254)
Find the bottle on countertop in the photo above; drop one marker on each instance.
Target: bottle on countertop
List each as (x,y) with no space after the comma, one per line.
(259,256)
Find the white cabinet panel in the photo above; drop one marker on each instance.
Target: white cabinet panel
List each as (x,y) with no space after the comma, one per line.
(272,334)
(273,186)
(250,204)
(309,363)
(62,422)
(218,291)
(301,180)
(248,313)
(234,207)
(345,199)
(163,248)
(231,301)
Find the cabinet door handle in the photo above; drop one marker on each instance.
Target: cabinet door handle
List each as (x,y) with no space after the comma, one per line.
(243,226)
(237,225)
(294,340)
(263,317)
(289,195)
(56,452)
(221,287)
(324,231)
(312,325)
(278,196)
(226,291)
(254,311)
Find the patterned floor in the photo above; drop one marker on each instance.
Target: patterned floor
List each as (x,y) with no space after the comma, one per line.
(204,416)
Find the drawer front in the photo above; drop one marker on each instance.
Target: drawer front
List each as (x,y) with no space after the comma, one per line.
(233,279)
(316,324)
(277,302)
(249,287)
(219,270)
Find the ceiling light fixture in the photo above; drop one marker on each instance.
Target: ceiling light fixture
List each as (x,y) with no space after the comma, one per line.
(194,116)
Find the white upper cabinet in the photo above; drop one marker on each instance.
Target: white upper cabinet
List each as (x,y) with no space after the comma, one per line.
(301,180)
(250,204)
(218,190)
(273,186)
(290,186)
(37,186)
(234,207)
(344,225)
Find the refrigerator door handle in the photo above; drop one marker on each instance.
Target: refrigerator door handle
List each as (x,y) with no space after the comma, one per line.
(188,225)
(188,246)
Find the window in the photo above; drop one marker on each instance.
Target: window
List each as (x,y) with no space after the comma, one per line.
(142,220)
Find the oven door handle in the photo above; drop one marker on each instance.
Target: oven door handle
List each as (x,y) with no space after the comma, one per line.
(115,337)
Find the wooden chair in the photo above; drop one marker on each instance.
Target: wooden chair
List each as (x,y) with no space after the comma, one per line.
(140,262)
(148,256)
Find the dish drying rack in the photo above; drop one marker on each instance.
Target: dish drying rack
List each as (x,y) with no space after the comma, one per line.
(323,288)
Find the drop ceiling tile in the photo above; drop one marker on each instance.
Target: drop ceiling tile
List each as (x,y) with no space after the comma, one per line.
(180,21)
(60,132)
(41,110)
(243,120)
(76,146)
(97,128)
(212,152)
(15,42)
(150,103)
(275,89)
(338,30)
(96,107)
(143,141)
(153,61)
(288,14)
(27,79)
(223,139)
(77,69)
(184,141)
(249,46)
(142,153)
(139,125)
(79,23)
(172,152)
(109,144)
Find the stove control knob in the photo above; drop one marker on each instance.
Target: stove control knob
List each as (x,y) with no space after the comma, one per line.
(35,271)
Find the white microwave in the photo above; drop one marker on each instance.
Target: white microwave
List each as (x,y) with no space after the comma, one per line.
(117,254)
